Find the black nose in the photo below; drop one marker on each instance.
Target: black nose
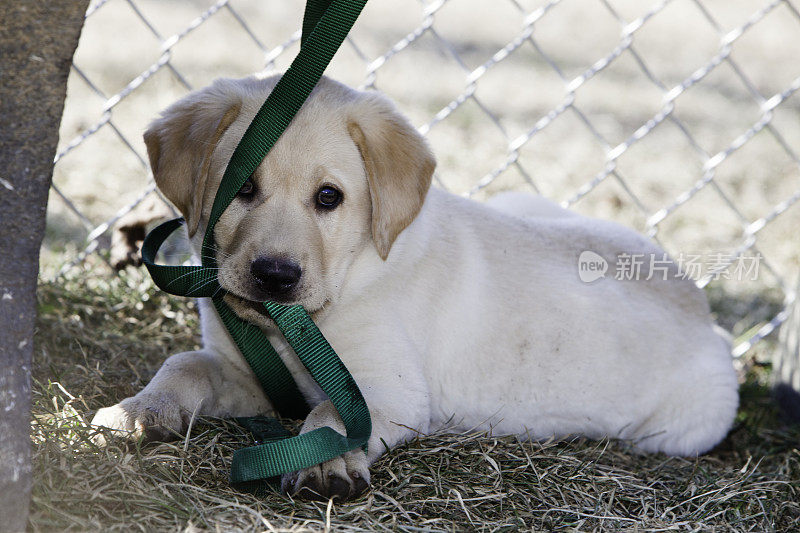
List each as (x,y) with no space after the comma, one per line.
(275,276)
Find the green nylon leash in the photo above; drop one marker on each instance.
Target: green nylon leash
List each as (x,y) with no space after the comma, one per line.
(326,24)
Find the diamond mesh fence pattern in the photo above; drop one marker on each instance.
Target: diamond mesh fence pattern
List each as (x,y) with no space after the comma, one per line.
(677,118)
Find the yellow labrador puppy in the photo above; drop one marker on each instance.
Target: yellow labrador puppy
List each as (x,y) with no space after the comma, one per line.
(442,308)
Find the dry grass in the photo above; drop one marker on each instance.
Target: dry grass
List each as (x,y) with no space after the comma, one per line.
(99,340)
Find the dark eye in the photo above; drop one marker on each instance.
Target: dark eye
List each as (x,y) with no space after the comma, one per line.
(248,188)
(328,197)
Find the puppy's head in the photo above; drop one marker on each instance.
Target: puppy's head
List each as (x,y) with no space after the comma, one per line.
(348,173)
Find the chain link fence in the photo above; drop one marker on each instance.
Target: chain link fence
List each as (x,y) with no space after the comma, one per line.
(678,118)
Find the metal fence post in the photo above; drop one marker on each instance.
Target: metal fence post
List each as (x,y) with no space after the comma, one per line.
(786,362)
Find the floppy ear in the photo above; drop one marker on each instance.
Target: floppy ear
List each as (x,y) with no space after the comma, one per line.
(180,143)
(399,167)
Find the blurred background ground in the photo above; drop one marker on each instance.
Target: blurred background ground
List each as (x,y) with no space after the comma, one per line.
(566,99)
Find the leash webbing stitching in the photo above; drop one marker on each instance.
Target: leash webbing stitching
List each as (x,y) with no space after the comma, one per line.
(325,26)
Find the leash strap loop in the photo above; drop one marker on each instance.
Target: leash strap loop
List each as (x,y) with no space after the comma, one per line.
(325,26)
(323,444)
(183,280)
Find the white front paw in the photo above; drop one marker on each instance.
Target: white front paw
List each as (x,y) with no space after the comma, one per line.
(151,418)
(342,478)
